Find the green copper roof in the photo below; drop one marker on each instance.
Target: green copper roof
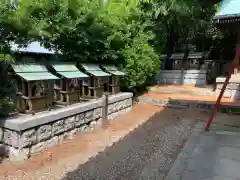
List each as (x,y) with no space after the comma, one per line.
(91,67)
(37,76)
(112,70)
(195,55)
(33,72)
(69,71)
(73,74)
(177,56)
(18,68)
(94,70)
(228,9)
(99,73)
(65,67)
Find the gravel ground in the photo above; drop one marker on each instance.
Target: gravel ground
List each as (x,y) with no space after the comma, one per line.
(146,153)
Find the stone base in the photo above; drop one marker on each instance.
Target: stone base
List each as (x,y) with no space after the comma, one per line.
(233,88)
(24,136)
(187,77)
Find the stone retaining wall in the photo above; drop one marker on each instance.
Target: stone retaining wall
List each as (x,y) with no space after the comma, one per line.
(187,77)
(24,136)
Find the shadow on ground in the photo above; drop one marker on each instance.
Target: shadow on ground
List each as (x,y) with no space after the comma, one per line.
(146,153)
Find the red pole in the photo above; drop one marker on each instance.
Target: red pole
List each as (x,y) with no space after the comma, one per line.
(216,106)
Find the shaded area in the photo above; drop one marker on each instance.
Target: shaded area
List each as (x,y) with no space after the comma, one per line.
(146,153)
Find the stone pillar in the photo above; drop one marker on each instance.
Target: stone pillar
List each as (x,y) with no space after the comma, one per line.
(105,106)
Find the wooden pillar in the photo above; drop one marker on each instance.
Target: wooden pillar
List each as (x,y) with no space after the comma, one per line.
(29,90)
(50,94)
(23,88)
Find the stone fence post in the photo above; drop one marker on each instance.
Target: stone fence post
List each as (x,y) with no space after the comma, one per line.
(105,106)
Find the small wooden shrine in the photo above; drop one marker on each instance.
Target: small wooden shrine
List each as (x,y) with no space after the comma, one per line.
(68,89)
(97,83)
(114,80)
(194,60)
(177,61)
(34,85)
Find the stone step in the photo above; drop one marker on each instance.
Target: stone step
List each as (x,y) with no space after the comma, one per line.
(182,91)
(226,107)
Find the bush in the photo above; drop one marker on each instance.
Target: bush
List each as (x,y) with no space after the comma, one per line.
(6,106)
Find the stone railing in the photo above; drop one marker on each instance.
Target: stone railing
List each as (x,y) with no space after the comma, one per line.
(188,77)
(24,136)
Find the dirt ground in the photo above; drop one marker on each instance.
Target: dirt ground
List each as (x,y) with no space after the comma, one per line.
(85,145)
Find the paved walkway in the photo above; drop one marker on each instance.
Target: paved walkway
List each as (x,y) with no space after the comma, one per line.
(211,155)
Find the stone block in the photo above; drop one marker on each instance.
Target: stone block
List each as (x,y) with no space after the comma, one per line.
(114,109)
(110,108)
(113,115)
(99,121)
(69,123)
(11,137)
(44,132)
(73,133)
(51,142)
(27,138)
(4,150)
(80,119)
(89,116)
(63,137)
(37,148)
(97,113)
(120,105)
(93,124)
(125,102)
(82,128)
(18,155)
(128,109)
(58,127)
(67,135)
(235,94)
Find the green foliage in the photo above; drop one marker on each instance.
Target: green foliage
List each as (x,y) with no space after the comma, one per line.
(6,106)
(6,34)
(180,23)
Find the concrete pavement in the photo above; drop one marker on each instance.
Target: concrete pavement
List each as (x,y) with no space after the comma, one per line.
(213,155)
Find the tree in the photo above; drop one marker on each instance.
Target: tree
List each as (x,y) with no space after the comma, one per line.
(180,22)
(6,103)
(113,31)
